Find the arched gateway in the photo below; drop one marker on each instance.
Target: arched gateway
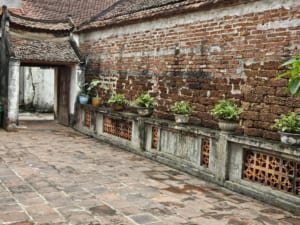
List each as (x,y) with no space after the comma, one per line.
(34,42)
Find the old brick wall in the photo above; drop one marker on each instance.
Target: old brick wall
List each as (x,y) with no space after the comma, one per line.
(202,57)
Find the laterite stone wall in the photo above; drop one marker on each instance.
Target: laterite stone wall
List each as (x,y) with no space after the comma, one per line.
(201,57)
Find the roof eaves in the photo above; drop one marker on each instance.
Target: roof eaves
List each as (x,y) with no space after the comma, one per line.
(39,24)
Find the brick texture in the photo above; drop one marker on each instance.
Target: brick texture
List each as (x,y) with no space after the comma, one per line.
(202,62)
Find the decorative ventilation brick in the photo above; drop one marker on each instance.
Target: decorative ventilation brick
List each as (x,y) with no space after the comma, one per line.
(117,127)
(276,172)
(87,119)
(205,152)
(154,137)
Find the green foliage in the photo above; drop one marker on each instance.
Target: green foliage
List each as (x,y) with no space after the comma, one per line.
(117,99)
(93,85)
(293,73)
(145,100)
(289,123)
(181,107)
(84,89)
(226,110)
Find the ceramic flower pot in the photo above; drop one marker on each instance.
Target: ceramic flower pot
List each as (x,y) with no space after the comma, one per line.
(96,102)
(83,99)
(290,138)
(182,118)
(228,126)
(118,107)
(143,111)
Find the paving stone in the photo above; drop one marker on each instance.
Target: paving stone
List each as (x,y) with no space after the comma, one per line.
(103,210)
(61,177)
(22,223)
(44,213)
(10,208)
(12,217)
(144,218)
(7,200)
(20,189)
(82,218)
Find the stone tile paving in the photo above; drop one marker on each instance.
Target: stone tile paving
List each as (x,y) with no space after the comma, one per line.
(50,174)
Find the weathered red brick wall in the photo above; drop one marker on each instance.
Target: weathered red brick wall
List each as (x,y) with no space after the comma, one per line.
(204,61)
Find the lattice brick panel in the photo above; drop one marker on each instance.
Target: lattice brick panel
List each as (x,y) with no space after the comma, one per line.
(87,118)
(118,127)
(154,137)
(205,152)
(277,172)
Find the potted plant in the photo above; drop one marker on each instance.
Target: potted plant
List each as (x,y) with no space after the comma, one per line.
(293,73)
(117,102)
(84,94)
(182,111)
(227,112)
(93,85)
(288,126)
(144,105)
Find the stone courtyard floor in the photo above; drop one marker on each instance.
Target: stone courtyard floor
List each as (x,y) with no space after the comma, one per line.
(50,174)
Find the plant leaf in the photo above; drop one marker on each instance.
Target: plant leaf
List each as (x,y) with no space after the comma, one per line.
(295,85)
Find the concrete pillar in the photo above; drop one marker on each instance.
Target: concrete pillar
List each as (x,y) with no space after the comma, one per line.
(13,93)
(77,79)
(222,158)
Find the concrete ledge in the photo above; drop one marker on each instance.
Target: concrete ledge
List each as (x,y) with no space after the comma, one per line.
(270,146)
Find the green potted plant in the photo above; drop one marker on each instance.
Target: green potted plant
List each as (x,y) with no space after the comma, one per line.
(227,112)
(117,102)
(84,94)
(288,126)
(93,86)
(182,111)
(144,105)
(293,73)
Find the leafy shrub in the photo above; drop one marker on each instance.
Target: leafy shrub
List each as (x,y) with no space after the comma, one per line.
(145,100)
(226,110)
(181,107)
(289,123)
(117,99)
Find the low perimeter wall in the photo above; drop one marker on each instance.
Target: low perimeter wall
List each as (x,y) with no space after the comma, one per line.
(262,169)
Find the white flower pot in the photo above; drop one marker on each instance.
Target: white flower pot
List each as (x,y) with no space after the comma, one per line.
(143,111)
(228,126)
(290,138)
(182,118)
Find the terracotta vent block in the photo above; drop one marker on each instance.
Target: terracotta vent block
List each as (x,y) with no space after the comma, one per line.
(154,144)
(274,171)
(87,119)
(117,127)
(205,152)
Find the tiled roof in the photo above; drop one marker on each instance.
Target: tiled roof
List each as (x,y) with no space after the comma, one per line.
(128,10)
(79,10)
(15,11)
(92,14)
(38,50)
(52,25)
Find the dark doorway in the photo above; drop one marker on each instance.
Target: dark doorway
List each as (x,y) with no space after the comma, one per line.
(63,94)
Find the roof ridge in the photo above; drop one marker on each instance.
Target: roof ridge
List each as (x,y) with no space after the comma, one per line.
(147,8)
(105,11)
(153,6)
